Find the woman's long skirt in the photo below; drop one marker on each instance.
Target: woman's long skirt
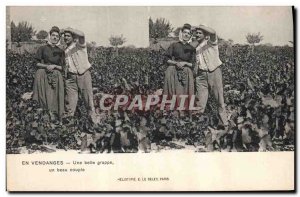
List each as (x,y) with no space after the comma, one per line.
(178,82)
(51,95)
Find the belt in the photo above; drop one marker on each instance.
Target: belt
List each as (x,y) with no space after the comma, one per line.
(207,71)
(78,73)
(69,73)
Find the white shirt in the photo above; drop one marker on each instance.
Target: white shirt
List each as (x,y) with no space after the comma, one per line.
(207,55)
(77,58)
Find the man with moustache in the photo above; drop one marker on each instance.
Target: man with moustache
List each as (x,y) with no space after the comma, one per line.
(78,76)
(208,72)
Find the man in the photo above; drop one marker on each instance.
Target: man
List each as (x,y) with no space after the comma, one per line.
(78,76)
(208,72)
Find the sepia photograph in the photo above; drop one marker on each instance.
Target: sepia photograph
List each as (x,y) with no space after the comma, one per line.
(92,86)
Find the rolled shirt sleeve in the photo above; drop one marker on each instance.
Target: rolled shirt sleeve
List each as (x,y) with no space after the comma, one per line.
(211,42)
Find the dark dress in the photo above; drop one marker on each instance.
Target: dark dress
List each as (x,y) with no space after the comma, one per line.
(48,87)
(179,82)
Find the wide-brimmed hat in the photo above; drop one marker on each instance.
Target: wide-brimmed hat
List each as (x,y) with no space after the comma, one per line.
(68,29)
(200,27)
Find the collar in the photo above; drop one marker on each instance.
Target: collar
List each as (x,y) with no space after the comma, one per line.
(201,44)
(51,45)
(184,42)
(71,46)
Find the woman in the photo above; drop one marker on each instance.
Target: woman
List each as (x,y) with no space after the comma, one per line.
(179,76)
(48,88)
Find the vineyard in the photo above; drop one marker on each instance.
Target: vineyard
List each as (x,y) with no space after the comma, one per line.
(259,93)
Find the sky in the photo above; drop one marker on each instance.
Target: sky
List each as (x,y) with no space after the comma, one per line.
(274,23)
(99,23)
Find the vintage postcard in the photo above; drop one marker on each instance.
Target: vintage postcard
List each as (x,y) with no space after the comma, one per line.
(150,98)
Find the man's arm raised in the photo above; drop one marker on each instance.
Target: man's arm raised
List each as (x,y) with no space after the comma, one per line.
(79,34)
(210,31)
(81,37)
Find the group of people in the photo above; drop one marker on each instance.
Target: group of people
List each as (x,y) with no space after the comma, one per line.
(252,85)
(63,73)
(194,68)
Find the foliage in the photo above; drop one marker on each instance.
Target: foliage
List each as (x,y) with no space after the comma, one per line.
(22,32)
(91,48)
(258,90)
(116,41)
(160,28)
(254,38)
(42,34)
(176,31)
